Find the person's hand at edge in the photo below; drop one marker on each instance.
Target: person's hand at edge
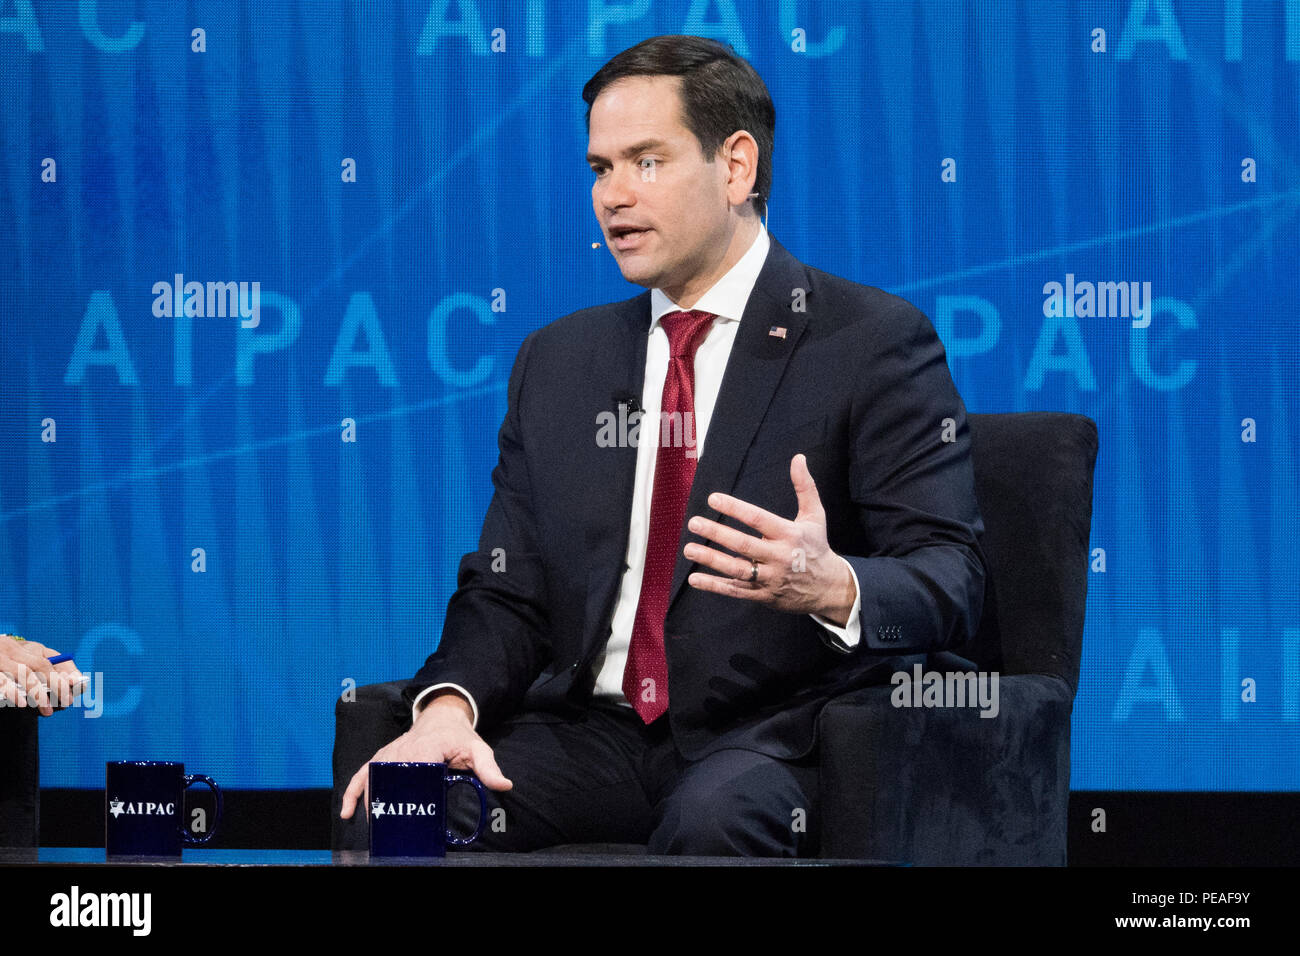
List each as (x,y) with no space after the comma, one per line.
(28,679)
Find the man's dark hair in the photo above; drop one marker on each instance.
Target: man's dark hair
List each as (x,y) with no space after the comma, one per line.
(720,93)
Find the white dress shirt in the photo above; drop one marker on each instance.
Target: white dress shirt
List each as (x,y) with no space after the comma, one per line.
(726,299)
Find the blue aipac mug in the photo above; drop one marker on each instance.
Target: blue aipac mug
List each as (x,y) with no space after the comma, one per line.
(408,809)
(144,808)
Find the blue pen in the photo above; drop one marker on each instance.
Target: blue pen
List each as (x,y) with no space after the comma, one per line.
(59,659)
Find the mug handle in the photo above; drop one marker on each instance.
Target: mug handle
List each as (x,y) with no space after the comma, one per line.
(188,838)
(452,780)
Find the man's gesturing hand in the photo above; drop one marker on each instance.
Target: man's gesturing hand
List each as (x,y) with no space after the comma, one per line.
(443,733)
(788,565)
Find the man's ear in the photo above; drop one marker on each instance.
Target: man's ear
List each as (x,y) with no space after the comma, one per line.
(740,155)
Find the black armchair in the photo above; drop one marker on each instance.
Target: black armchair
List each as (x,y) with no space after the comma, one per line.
(936,785)
(944,785)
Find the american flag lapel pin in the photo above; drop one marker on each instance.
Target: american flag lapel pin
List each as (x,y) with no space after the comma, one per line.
(777,331)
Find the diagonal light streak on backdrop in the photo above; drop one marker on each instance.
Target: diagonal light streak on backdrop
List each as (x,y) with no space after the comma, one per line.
(1038,255)
(1242,256)
(484,133)
(126,477)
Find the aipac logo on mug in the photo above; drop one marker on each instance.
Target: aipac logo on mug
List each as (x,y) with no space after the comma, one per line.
(379,808)
(141,809)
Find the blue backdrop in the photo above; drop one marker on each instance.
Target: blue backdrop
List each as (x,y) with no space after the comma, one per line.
(180,506)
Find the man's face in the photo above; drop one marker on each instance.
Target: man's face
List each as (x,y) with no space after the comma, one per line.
(651,177)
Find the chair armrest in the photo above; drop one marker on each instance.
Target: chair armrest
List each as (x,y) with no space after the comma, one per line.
(364,721)
(943,785)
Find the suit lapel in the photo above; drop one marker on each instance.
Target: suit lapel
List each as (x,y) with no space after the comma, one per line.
(754,369)
(616,365)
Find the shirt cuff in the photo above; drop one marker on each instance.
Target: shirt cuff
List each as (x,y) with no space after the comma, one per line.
(416,706)
(845,638)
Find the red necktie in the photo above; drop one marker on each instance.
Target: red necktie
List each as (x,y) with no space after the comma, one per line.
(645,678)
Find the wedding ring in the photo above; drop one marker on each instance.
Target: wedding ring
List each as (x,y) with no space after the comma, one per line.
(753,571)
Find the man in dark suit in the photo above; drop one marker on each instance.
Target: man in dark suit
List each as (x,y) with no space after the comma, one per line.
(655,616)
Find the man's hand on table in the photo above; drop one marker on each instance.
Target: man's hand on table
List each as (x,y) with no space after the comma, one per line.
(443,733)
(28,679)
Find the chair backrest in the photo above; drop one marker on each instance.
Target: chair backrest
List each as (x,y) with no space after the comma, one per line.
(1033,482)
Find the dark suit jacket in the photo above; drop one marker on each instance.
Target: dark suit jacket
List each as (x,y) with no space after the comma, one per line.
(859,383)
